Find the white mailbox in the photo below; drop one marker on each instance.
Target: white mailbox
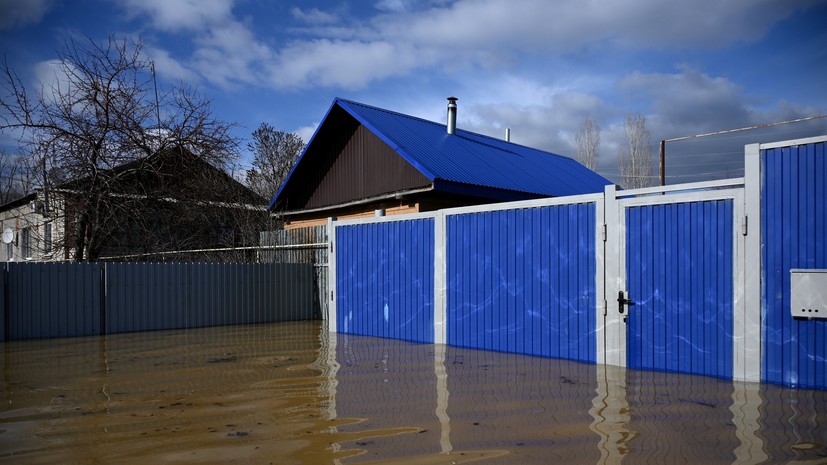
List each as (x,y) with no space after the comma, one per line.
(808,290)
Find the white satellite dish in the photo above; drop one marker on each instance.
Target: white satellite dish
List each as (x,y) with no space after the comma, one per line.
(8,236)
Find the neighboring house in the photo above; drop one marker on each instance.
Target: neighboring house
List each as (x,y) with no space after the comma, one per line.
(363,159)
(171,201)
(30,232)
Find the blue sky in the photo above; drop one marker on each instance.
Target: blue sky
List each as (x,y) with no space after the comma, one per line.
(538,67)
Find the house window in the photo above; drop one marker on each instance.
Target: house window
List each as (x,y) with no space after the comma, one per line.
(26,238)
(47,238)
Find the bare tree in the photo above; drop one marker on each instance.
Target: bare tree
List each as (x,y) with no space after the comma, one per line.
(635,158)
(588,143)
(101,111)
(10,178)
(275,153)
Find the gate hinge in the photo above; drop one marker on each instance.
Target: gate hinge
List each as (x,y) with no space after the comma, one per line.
(744,225)
(605,233)
(605,308)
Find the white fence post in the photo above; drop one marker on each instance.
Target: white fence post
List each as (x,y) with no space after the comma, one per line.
(751,368)
(331,276)
(440,263)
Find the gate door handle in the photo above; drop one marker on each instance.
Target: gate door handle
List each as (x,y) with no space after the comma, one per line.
(623,302)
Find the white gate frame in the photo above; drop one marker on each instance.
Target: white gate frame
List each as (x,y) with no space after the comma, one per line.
(746,365)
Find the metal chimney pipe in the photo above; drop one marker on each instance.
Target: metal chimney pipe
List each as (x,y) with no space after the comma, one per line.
(508,134)
(452,114)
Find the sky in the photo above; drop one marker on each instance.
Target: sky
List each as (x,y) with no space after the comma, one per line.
(537,67)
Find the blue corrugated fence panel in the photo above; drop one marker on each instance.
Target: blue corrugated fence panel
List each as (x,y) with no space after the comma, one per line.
(524,281)
(794,207)
(384,279)
(679,260)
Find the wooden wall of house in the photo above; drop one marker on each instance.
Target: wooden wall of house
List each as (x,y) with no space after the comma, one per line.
(348,162)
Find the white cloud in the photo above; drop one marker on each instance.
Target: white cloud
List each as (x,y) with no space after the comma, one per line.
(168,67)
(394,6)
(313,16)
(177,15)
(306,132)
(17,13)
(227,52)
(689,100)
(51,78)
(347,64)
(567,24)
(340,50)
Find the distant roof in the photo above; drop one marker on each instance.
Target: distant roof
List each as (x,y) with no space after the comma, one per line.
(467,158)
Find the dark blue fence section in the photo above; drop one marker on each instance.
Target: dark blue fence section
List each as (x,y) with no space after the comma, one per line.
(385,279)
(794,232)
(523,281)
(679,268)
(47,300)
(150,296)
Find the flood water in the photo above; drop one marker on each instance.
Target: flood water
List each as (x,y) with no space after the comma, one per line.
(290,393)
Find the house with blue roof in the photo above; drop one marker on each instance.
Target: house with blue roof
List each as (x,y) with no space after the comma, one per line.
(363,159)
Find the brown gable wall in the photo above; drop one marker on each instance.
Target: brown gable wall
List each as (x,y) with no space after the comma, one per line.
(363,166)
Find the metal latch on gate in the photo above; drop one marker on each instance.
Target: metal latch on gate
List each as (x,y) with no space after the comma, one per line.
(623,302)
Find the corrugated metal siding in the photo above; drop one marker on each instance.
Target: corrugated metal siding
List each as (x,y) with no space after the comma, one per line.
(151,296)
(679,260)
(794,208)
(524,281)
(366,167)
(53,300)
(385,279)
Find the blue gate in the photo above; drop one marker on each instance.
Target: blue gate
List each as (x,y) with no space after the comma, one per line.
(385,279)
(679,271)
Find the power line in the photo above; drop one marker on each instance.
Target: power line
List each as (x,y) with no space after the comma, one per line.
(726,131)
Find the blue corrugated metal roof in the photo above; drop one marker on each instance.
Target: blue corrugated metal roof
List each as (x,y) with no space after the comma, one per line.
(472,159)
(469,158)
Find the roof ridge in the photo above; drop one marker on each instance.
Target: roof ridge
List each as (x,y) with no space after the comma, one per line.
(459,130)
(385,110)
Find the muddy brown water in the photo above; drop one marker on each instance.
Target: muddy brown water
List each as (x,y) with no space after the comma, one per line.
(290,393)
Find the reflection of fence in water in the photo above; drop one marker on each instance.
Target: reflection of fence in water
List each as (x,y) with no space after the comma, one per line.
(389,384)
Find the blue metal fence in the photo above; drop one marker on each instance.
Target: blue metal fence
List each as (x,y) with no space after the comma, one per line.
(523,280)
(385,279)
(794,232)
(46,300)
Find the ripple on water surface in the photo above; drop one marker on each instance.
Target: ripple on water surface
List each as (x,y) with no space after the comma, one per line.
(292,393)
